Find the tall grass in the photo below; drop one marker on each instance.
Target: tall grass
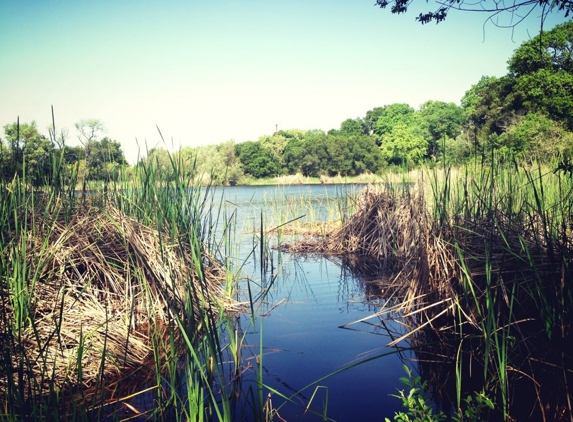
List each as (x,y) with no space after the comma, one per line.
(117,296)
(486,279)
(501,235)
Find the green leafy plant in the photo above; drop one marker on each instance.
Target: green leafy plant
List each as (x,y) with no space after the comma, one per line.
(419,408)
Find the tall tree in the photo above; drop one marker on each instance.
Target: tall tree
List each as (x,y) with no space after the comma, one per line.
(256,160)
(488,106)
(552,50)
(439,120)
(371,118)
(403,146)
(104,159)
(542,73)
(355,127)
(89,130)
(30,151)
(391,116)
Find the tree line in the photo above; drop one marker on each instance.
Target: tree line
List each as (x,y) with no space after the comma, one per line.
(525,114)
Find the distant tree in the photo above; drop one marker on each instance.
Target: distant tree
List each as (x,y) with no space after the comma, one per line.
(364,155)
(317,158)
(295,151)
(104,159)
(371,118)
(403,146)
(488,107)
(437,121)
(89,130)
(536,136)
(356,127)
(256,160)
(30,152)
(391,116)
(214,164)
(6,164)
(331,155)
(275,146)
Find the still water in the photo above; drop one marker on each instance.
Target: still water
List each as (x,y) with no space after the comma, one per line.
(309,304)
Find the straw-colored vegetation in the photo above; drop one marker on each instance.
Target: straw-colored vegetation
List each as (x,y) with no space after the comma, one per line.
(101,281)
(484,280)
(110,294)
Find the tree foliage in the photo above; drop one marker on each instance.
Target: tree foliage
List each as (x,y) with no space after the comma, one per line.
(89,130)
(350,127)
(104,159)
(391,116)
(551,50)
(439,121)
(257,160)
(403,146)
(516,10)
(26,152)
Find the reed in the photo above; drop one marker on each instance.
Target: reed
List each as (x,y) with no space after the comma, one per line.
(113,295)
(485,285)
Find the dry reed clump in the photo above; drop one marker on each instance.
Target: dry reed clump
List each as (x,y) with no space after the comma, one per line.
(495,280)
(384,226)
(103,283)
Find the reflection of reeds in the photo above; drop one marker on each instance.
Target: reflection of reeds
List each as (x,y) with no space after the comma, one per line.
(487,285)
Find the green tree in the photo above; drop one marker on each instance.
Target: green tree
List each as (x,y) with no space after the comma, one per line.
(364,155)
(403,146)
(438,121)
(550,50)
(29,151)
(488,107)
(295,151)
(256,160)
(351,127)
(89,130)
(536,136)
(214,164)
(6,165)
(275,146)
(391,116)
(547,92)
(371,118)
(159,160)
(104,159)
(541,71)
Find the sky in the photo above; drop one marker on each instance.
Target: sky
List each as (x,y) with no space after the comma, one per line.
(205,72)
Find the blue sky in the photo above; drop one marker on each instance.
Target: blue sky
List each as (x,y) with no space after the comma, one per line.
(209,71)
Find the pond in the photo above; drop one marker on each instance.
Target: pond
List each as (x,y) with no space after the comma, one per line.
(307,311)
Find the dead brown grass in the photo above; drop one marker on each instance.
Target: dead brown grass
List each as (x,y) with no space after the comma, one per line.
(103,283)
(384,226)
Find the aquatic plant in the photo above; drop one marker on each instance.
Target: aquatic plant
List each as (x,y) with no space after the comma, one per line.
(485,286)
(115,296)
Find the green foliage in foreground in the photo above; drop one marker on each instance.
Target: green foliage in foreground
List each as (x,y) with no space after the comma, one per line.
(420,409)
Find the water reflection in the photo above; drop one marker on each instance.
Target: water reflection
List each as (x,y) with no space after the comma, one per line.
(308,337)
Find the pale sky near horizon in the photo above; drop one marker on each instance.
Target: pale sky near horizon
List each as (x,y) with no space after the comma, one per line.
(206,72)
